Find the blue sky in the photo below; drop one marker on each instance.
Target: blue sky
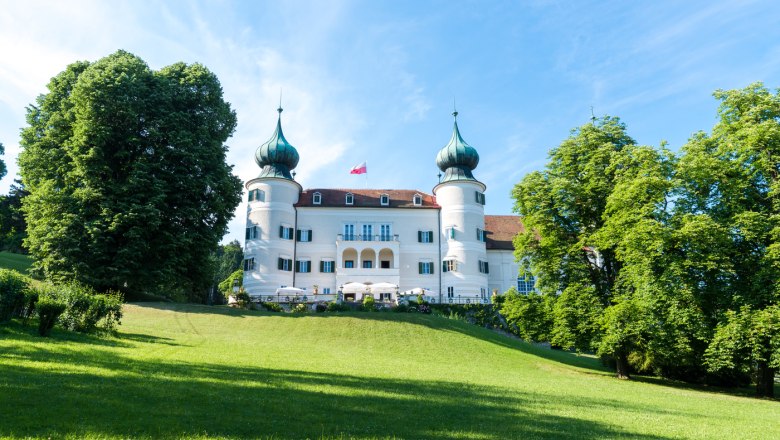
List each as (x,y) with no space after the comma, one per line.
(375,80)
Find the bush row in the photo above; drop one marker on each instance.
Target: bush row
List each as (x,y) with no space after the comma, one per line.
(75,307)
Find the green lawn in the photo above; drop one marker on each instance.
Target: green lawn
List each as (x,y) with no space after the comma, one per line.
(16,262)
(192,371)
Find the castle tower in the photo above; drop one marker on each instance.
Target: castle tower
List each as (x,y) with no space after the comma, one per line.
(269,247)
(462,198)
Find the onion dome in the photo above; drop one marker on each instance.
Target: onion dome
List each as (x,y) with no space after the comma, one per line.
(276,157)
(458,159)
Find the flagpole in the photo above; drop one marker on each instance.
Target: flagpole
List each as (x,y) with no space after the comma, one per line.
(366,173)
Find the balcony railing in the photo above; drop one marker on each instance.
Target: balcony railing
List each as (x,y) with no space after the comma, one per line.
(361,237)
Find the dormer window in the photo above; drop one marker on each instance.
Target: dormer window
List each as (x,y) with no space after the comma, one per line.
(384,200)
(350,199)
(417,200)
(316,198)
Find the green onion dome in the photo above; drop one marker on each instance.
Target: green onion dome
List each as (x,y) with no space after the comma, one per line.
(458,159)
(276,156)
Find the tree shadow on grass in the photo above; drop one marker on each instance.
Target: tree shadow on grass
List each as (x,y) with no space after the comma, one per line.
(120,397)
(62,337)
(746,391)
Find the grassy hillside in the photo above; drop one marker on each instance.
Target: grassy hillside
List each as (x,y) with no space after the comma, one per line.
(16,262)
(191,371)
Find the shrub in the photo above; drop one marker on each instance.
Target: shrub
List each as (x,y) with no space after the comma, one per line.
(320,307)
(336,307)
(368,303)
(87,311)
(12,288)
(49,309)
(243,298)
(300,308)
(401,308)
(31,295)
(424,308)
(271,306)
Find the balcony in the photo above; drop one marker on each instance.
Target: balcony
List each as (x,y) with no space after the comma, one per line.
(360,237)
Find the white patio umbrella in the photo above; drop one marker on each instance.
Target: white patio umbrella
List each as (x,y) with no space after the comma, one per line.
(384,288)
(354,288)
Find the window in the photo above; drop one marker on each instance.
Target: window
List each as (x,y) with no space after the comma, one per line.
(256,195)
(368,264)
(304,234)
(451,232)
(480,196)
(384,264)
(385,234)
(384,200)
(326,266)
(252,233)
(316,198)
(350,199)
(349,232)
(425,267)
(249,264)
(526,285)
(368,232)
(425,236)
(349,264)
(285,232)
(450,292)
(417,200)
(483,267)
(449,266)
(303,266)
(285,264)
(481,235)
(326,290)
(483,292)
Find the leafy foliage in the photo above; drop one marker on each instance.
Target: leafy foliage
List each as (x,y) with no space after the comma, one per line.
(49,310)
(528,316)
(226,286)
(13,227)
(227,260)
(129,189)
(13,286)
(369,303)
(86,311)
(663,263)
(3,169)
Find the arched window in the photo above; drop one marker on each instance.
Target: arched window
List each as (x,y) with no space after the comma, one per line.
(350,199)
(316,198)
(384,199)
(417,200)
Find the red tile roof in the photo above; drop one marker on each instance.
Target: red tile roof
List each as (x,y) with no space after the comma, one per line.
(366,198)
(501,229)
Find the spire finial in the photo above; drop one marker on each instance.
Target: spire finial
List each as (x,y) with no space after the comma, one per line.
(454,109)
(280,109)
(592,116)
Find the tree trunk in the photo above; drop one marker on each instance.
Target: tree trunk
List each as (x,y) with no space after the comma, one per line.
(765,380)
(621,365)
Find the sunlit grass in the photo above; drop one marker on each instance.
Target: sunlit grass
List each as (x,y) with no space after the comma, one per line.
(17,262)
(195,371)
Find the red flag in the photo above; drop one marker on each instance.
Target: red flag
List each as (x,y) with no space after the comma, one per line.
(359,169)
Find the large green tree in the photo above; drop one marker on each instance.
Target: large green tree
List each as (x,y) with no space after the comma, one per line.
(733,178)
(129,188)
(13,228)
(563,211)
(3,170)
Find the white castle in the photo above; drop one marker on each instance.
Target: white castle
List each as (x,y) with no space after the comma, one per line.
(322,244)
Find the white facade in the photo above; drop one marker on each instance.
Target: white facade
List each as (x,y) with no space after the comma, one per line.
(328,238)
